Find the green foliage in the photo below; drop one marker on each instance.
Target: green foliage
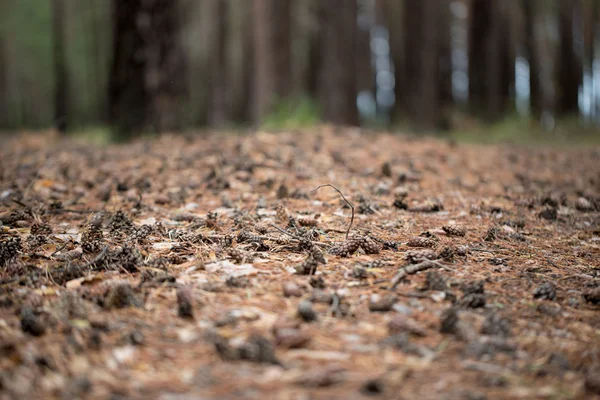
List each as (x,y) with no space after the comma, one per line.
(525,131)
(293,113)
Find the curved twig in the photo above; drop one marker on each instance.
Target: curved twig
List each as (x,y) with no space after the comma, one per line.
(346,200)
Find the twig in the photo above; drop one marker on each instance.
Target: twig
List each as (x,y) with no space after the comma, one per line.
(413,269)
(343,197)
(294,237)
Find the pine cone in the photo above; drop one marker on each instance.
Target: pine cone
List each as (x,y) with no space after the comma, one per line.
(370,246)
(91,239)
(435,281)
(592,295)
(454,230)
(308,266)
(40,228)
(545,291)
(120,223)
(236,255)
(417,256)
(261,228)
(427,206)
(348,247)
(447,252)
(282,214)
(9,248)
(317,254)
(420,241)
(491,234)
(474,300)
(307,221)
(35,241)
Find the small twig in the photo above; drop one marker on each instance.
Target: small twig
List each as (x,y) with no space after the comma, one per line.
(286,232)
(343,197)
(413,269)
(60,248)
(96,259)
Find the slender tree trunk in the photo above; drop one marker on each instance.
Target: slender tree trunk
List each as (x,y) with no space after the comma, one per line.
(272,54)
(445,54)
(61,88)
(218,109)
(315,49)
(427,115)
(569,68)
(413,11)
(392,17)
(486,82)
(531,49)
(338,79)
(4,119)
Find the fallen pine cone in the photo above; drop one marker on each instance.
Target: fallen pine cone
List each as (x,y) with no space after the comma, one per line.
(420,241)
(416,256)
(454,230)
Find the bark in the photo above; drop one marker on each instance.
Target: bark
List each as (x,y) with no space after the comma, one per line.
(148,74)
(61,88)
(272,54)
(533,57)
(569,68)
(487,85)
(393,15)
(338,79)
(218,109)
(445,55)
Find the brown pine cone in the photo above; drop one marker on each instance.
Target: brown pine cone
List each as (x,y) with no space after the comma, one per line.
(236,255)
(40,228)
(416,256)
(348,247)
(308,266)
(420,241)
(317,254)
(307,221)
(9,248)
(370,246)
(447,252)
(261,227)
(282,214)
(91,239)
(454,230)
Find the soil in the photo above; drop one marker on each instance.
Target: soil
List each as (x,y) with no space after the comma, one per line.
(209,267)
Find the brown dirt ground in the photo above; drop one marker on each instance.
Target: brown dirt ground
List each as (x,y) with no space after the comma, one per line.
(103,250)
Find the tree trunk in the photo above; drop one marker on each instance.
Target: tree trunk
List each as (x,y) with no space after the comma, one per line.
(531,49)
(272,54)
(61,88)
(4,119)
(338,79)
(218,109)
(445,54)
(569,69)
(486,83)
(148,74)
(427,115)
(392,18)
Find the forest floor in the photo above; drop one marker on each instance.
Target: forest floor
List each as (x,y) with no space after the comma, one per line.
(209,267)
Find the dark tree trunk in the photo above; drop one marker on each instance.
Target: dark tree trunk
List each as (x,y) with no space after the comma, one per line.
(531,49)
(569,68)
(4,120)
(148,74)
(422,63)
(272,54)
(315,50)
(61,88)
(338,79)
(445,54)
(218,109)
(487,85)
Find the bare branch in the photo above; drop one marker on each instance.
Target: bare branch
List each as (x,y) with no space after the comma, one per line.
(343,197)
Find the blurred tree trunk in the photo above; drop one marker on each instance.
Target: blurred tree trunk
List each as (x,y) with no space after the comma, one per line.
(569,68)
(445,55)
(315,52)
(218,109)
(486,81)
(272,54)
(533,58)
(4,119)
(148,74)
(422,63)
(392,17)
(61,88)
(338,79)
